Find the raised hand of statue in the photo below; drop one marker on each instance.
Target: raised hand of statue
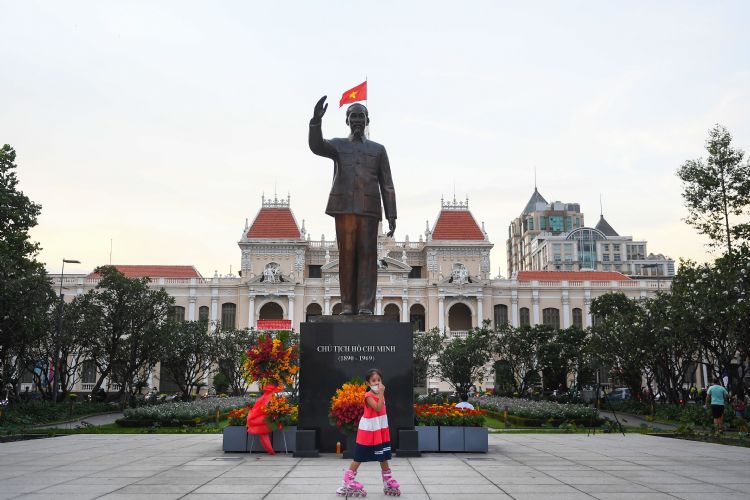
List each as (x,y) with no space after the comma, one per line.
(391,227)
(320,109)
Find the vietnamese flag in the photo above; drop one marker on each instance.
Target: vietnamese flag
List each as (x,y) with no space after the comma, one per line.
(358,93)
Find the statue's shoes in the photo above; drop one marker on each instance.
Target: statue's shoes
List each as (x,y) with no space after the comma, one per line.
(365,311)
(347,310)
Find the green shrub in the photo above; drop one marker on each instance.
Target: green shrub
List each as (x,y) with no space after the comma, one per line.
(45,412)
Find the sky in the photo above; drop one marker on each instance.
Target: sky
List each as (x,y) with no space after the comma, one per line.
(153,128)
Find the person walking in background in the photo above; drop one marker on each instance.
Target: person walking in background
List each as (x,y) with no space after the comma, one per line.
(717,396)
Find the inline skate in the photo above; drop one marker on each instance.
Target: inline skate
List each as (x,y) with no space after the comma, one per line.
(349,487)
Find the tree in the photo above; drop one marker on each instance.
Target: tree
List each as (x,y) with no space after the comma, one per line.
(676,349)
(127,323)
(427,345)
(520,348)
(618,338)
(713,299)
(190,352)
(231,346)
(462,360)
(26,295)
(716,189)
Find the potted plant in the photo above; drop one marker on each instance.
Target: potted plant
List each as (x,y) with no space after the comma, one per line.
(427,427)
(347,407)
(443,427)
(475,433)
(235,434)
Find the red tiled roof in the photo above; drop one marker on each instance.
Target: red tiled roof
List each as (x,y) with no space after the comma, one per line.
(274,223)
(570,276)
(156,272)
(456,225)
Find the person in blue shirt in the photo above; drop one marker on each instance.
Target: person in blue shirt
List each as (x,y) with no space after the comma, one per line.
(717,396)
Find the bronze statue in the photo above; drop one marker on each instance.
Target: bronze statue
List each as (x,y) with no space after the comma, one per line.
(361,175)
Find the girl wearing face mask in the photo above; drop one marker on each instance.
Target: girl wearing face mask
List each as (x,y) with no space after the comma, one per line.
(373,440)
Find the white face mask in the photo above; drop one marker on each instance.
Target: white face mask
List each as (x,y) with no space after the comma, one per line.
(375,388)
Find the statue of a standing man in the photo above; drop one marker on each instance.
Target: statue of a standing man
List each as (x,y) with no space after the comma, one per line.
(361,175)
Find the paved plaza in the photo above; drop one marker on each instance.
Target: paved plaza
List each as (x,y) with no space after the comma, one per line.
(526,466)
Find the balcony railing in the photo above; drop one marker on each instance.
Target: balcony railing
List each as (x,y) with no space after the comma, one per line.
(86,386)
(459,334)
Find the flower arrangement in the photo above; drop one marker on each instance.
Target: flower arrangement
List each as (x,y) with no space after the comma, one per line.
(269,361)
(448,415)
(239,416)
(347,406)
(280,412)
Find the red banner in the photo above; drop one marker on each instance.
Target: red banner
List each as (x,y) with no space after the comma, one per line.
(274,324)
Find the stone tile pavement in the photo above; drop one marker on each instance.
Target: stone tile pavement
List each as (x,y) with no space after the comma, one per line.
(531,466)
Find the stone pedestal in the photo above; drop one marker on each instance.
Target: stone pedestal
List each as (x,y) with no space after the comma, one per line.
(335,349)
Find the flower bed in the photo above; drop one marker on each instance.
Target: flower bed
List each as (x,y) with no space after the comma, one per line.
(531,412)
(182,413)
(448,415)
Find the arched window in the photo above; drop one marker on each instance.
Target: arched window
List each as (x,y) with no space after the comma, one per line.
(586,238)
(525,319)
(459,317)
(578,318)
(501,315)
(177,313)
(392,311)
(313,310)
(271,310)
(336,309)
(417,317)
(203,313)
(229,315)
(551,317)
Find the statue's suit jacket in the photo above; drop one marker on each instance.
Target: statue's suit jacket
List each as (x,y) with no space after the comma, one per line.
(361,174)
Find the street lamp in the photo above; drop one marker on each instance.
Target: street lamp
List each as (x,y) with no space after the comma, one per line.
(56,361)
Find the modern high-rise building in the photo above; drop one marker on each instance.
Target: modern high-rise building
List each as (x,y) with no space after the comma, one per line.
(552,237)
(537,218)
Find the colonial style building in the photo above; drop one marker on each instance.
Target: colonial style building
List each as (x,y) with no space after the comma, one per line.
(440,279)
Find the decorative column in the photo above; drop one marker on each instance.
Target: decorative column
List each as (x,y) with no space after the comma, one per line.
(290,314)
(405,307)
(535,306)
(441,314)
(480,310)
(379,303)
(192,299)
(587,307)
(214,307)
(514,307)
(251,311)
(566,305)
(327,305)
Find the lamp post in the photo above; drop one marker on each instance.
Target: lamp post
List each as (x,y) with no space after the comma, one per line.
(56,361)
